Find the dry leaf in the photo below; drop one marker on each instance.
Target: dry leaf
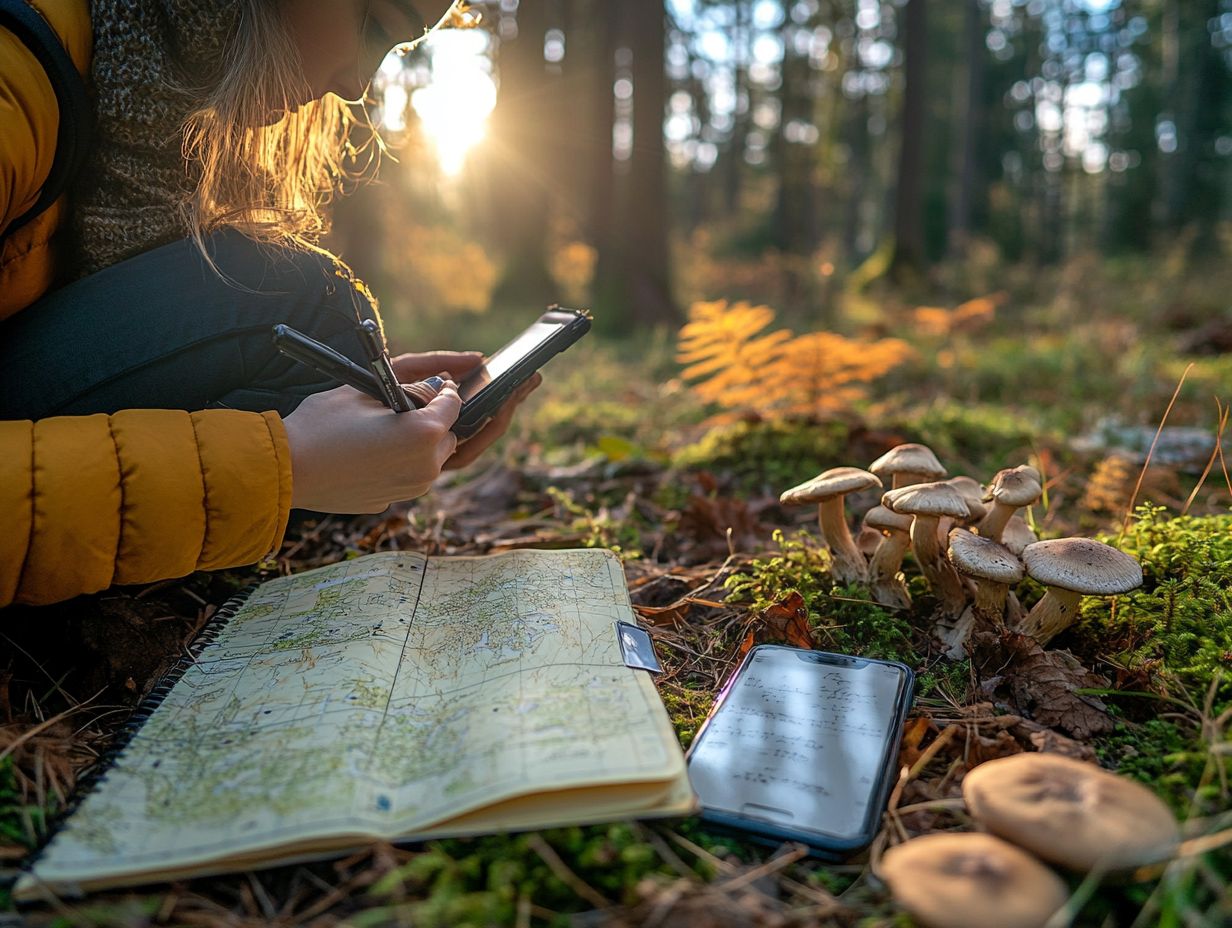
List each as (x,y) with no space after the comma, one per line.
(787,620)
(1044,684)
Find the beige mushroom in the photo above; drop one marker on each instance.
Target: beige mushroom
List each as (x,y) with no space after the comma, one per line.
(1072,568)
(971,880)
(992,567)
(928,502)
(1010,490)
(1017,535)
(827,489)
(908,464)
(1070,812)
(973,494)
(884,581)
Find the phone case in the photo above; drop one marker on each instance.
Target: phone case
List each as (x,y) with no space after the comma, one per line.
(479,408)
(820,843)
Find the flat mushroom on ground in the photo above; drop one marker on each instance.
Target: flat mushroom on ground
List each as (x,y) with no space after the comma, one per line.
(971,880)
(1070,812)
(827,490)
(993,568)
(1071,568)
(907,464)
(883,579)
(928,502)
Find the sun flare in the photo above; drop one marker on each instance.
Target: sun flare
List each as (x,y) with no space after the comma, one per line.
(449,86)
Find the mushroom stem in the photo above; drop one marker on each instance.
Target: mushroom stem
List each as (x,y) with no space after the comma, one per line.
(847,564)
(941,576)
(989,606)
(1051,615)
(993,524)
(883,580)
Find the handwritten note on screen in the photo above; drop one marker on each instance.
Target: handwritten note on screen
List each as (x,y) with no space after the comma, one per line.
(798,743)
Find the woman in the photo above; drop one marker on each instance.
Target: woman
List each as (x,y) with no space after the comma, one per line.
(149,428)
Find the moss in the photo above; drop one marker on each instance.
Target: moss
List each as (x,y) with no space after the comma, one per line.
(1170,759)
(843,618)
(687,709)
(767,456)
(478,882)
(1177,628)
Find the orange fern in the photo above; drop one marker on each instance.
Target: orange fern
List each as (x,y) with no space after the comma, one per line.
(776,374)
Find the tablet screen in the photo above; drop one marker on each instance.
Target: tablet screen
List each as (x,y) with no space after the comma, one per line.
(799,743)
(507,357)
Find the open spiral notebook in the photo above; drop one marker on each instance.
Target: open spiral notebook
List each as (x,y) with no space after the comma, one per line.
(393,696)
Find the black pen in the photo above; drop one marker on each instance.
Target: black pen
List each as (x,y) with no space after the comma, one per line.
(322,358)
(378,360)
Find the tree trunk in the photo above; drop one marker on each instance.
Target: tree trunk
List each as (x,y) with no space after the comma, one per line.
(909,255)
(634,281)
(520,156)
(968,122)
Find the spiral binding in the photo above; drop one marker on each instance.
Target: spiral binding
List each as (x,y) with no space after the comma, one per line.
(97,773)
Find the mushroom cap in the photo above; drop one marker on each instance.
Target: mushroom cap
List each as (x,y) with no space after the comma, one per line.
(1070,812)
(828,484)
(971,880)
(927,499)
(908,459)
(972,492)
(881,518)
(983,558)
(1015,486)
(1082,565)
(1017,535)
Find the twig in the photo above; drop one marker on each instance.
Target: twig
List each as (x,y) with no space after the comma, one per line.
(931,751)
(1216,453)
(1129,510)
(564,874)
(31,732)
(701,853)
(769,867)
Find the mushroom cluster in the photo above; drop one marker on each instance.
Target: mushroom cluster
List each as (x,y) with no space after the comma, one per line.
(969,542)
(1036,807)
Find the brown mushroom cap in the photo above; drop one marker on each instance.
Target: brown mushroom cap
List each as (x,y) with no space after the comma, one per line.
(972,492)
(927,499)
(909,458)
(1017,535)
(982,557)
(1083,566)
(1070,812)
(1015,486)
(881,518)
(971,880)
(836,481)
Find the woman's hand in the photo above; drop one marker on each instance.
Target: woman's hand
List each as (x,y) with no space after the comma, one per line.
(412,367)
(349,453)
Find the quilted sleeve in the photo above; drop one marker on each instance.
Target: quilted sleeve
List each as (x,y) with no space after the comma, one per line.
(135,497)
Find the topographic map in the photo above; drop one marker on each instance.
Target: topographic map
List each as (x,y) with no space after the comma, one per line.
(381,696)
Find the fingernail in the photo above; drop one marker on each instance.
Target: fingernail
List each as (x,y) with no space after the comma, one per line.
(434,382)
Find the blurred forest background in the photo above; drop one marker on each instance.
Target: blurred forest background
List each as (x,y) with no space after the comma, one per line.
(635,156)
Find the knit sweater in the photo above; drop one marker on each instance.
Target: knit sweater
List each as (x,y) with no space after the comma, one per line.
(152,61)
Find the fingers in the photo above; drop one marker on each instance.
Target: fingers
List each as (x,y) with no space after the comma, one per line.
(495,427)
(442,411)
(410,367)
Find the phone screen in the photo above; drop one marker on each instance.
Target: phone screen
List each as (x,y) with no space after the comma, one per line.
(504,359)
(799,742)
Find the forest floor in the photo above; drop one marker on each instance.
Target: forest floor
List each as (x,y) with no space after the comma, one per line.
(617,451)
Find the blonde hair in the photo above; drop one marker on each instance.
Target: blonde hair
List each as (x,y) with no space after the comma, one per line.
(266,166)
(263,164)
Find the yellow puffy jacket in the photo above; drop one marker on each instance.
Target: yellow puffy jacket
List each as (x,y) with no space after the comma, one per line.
(138,496)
